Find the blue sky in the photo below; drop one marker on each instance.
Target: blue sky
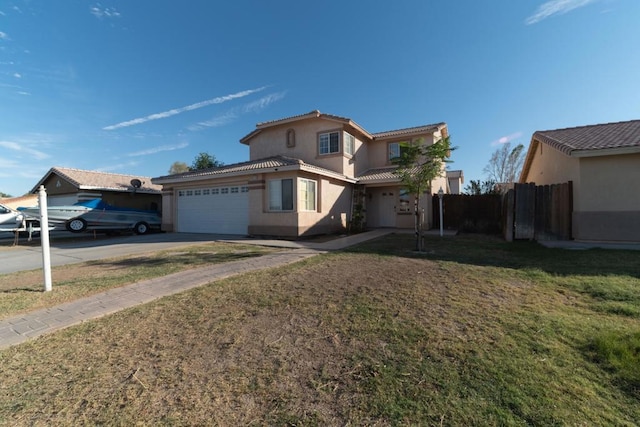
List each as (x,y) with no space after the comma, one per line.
(132,86)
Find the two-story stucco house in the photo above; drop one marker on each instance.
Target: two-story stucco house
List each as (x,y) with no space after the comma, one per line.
(306,175)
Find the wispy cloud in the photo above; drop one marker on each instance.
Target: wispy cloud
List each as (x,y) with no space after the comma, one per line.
(169,113)
(23,149)
(3,36)
(555,7)
(104,12)
(507,138)
(17,75)
(159,149)
(116,167)
(234,113)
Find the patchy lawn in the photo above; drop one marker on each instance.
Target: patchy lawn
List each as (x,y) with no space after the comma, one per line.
(473,332)
(22,292)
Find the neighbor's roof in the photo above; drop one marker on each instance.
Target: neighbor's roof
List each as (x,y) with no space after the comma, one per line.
(593,137)
(587,141)
(92,180)
(346,121)
(253,166)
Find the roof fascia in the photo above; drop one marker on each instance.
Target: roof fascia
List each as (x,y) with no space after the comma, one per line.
(287,168)
(531,152)
(605,152)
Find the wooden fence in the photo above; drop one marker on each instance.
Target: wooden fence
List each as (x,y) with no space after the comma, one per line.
(526,212)
(540,212)
(469,214)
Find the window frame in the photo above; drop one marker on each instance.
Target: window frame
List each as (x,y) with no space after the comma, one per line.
(281,205)
(328,143)
(399,149)
(303,195)
(349,143)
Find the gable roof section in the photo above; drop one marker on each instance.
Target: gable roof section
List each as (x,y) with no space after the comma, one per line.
(587,141)
(270,164)
(345,121)
(572,141)
(310,115)
(92,180)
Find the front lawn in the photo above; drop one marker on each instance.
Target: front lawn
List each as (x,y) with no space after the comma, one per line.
(473,332)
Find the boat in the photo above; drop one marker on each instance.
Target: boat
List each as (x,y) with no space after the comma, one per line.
(97,215)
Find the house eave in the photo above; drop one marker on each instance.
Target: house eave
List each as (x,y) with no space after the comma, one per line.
(605,152)
(287,168)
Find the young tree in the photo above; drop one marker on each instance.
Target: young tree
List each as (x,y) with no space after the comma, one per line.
(476,188)
(178,167)
(3,195)
(418,165)
(205,161)
(505,164)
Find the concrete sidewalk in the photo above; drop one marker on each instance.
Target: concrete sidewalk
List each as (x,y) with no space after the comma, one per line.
(18,329)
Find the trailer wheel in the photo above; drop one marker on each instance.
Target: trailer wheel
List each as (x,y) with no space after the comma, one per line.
(141,228)
(76,225)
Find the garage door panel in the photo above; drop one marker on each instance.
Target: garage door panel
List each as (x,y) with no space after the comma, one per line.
(222,213)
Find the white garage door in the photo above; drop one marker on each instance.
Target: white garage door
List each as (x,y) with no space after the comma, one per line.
(223,210)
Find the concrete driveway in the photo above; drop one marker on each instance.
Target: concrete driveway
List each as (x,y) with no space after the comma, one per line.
(83,247)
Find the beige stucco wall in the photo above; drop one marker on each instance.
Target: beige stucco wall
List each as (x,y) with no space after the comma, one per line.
(609,207)
(609,183)
(550,166)
(273,141)
(378,151)
(331,215)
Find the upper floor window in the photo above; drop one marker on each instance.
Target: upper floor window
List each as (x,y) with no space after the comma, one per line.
(396,149)
(291,138)
(349,143)
(329,143)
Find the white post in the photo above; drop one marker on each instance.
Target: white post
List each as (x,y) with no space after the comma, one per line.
(44,238)
(440,194)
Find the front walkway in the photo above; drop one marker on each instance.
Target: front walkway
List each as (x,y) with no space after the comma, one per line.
(18,329)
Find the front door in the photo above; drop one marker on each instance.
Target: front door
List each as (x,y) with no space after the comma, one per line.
(387,208)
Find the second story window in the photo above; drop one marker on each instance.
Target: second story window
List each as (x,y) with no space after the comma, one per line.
(396,149)
(349,143)
(329,143)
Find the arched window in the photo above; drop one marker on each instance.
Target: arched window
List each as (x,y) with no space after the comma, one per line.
(291,138)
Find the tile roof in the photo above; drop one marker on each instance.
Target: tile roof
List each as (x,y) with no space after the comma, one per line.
(249,167)
(592,137)
(347,121)
(92,180)
(379,174)
(409,131)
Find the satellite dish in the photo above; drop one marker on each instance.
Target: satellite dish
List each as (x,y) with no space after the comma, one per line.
(136,183)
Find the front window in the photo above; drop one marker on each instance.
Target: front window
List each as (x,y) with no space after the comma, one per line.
(307,191)
(281,195)
(329,143)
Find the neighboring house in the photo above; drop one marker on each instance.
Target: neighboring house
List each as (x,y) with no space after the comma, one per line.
(306,175)
(455,179)
(603,163)
(16,202)
(66,186)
